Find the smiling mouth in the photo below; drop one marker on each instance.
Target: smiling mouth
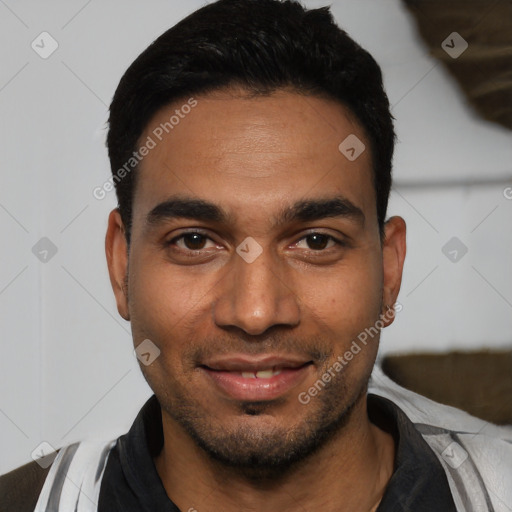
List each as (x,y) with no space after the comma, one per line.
(241,380)
(266,373)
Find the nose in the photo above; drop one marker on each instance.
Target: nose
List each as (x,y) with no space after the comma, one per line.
(256,296)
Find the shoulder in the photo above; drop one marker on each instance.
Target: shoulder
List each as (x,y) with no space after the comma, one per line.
(424,411)
(31,486)
(475,454)
(20,488)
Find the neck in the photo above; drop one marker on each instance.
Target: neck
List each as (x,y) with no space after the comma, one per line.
(348,473)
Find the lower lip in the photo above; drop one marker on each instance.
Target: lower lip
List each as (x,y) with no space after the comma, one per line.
(237,387)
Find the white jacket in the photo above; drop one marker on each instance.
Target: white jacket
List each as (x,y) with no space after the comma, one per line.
(476,456)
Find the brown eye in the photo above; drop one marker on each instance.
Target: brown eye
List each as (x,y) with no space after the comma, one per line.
(319,241)
(194,241)
(190,241)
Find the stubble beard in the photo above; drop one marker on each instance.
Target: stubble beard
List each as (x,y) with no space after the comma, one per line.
(263,454)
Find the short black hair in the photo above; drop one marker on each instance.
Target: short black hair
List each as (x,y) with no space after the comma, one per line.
(262,46)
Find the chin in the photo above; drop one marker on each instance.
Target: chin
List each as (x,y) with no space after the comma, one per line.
(262,446)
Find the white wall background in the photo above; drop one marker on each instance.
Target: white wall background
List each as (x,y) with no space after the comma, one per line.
(66,366)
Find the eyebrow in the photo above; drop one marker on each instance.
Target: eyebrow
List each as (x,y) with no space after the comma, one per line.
(303,211)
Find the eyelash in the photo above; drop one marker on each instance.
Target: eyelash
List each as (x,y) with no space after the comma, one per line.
(338,242)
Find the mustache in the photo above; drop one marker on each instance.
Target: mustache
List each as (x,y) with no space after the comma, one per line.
(316,349)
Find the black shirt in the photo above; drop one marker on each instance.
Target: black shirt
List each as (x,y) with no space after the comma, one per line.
(131,483)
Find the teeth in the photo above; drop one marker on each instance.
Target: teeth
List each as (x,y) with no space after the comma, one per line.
(262,374)
(265,374)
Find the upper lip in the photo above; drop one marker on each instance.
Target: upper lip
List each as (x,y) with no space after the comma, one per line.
(242,363)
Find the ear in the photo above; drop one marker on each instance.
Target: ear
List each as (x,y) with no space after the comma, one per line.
(393,256)
(116,250)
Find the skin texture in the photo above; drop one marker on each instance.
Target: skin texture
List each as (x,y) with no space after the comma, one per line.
(307,298)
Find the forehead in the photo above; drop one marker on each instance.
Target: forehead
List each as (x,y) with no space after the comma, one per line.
(253,154)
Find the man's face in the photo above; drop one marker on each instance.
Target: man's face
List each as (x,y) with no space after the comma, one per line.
(239,287)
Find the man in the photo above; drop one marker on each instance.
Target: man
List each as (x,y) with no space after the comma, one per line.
(251,149)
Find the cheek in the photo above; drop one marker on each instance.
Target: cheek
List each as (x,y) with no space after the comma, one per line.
(158,312)
(349,300)
(169,308)
(158,296)
(156,302)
